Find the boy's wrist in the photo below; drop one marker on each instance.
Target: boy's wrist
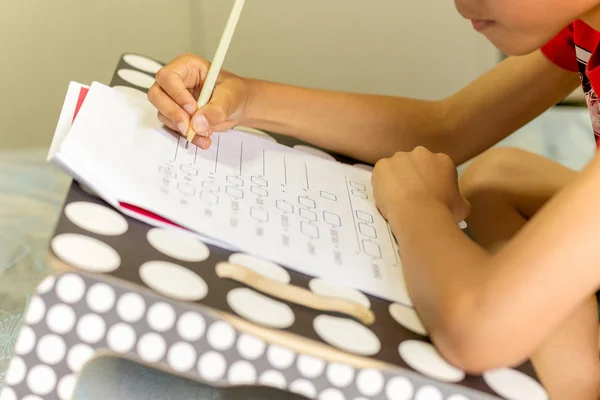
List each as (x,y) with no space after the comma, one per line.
(412,211)
(255,105)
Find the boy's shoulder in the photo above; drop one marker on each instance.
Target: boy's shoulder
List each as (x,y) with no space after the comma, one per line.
(576,41)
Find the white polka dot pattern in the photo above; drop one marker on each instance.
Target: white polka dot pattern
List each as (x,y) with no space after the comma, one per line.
(399,388)
(340,375)
(177,244)
(96,218)
(8,394)
(86,253)
(60,319)
(429,393)
(35,311)
(424,358)
(310,367)
(262,267)
(191,326)
(273,378)
(136,78)
(457,397)
(212,366)
(78,356)
(51,349)
(70,288)
(370,382)
(280,357)
(331,394)
(324,288)
(129,91)
(16,371)
(260,309)
(142,63)
(237,359)
(91,328)
(347,335)
(514,385)
(182,357)
(303,387)
(151,347)
(250,347)
(25,341)
(121,337)
(221,336)
(408,318)
(66,387)
(131,307)
(100,298)
(46,285)
(241,373)
(41,379)
(173,281)
(161,317)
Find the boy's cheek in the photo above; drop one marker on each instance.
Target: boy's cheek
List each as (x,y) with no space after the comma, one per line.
(516,43)
(522,26)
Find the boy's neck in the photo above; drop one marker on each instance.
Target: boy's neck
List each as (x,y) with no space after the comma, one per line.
(592,17)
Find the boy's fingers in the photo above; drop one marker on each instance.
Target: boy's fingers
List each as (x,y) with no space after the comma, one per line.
(167,122)
(178,119)
(462,209)
(202,142)
(176,80)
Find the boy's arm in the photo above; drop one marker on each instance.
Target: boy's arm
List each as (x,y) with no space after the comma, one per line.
(483,311)
(370,127)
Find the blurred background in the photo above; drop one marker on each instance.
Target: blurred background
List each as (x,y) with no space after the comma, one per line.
(419,48)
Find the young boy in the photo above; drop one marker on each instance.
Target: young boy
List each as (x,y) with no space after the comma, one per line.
(527,288)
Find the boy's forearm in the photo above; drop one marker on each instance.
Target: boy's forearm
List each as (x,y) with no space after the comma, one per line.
(370,127)
(366,127)
(443,269)
(440,262)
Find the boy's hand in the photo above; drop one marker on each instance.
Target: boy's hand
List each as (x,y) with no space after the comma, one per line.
(175,95)
(418,177)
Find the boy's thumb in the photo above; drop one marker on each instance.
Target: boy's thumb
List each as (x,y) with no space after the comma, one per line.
(461,209)
(207,117)
(218,111)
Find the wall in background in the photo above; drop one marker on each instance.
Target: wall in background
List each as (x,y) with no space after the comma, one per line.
(417,48)
(413,48)
(45,44)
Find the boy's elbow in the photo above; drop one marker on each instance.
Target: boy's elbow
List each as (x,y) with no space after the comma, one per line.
(467,340)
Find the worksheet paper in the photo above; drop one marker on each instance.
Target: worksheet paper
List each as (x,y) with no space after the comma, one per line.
(312,215)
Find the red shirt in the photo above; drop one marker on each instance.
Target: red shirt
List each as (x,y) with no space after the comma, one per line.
(577,49)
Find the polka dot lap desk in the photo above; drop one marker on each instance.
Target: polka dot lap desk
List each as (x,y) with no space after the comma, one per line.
(153,295)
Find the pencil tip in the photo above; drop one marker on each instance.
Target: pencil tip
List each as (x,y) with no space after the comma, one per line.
(187,144)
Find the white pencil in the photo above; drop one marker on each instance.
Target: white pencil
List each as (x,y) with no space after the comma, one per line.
(217,63)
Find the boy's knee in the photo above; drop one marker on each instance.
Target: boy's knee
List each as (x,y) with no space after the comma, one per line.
(493,170)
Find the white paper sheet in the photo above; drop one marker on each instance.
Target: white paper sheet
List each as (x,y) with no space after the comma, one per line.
(313,215)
